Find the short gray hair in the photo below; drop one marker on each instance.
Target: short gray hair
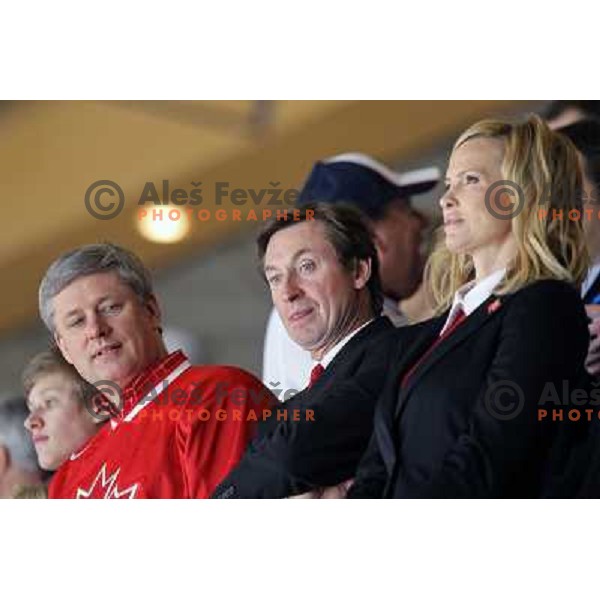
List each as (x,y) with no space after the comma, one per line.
(88,260)
(14,436)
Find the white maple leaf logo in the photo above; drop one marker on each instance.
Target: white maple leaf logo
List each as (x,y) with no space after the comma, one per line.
(105,486)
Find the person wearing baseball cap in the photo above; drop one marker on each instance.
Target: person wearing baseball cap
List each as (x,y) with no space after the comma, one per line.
(384,198)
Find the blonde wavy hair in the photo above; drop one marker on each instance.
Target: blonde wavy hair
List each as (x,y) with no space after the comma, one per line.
(545,165)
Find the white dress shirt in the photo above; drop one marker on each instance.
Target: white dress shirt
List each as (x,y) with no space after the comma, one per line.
(286,366)
(472,295)
(333,352)
(590,278)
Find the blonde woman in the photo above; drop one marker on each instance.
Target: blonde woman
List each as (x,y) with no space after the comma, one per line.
(459,413)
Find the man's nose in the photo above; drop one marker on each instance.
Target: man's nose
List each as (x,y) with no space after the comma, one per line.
(96,326)
(291,289)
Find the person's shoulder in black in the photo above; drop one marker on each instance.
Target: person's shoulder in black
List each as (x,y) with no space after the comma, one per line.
(295,456)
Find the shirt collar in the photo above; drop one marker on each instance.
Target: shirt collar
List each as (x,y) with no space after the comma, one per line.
(331,354)
(472,295)
(149,379)
(391,309)
(590,278)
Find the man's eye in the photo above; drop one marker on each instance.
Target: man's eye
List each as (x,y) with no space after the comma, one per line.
(307,266)
(49,402)
(75,322)
(111,309)
(273,279)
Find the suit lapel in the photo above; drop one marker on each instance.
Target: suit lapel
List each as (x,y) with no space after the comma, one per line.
(468,328)
(355,345)
(383,423)
(340,364)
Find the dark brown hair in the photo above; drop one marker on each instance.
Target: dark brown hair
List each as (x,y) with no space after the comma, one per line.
(347,231)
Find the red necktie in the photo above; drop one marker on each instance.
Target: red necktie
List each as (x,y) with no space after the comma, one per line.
(316,372)
(458,317)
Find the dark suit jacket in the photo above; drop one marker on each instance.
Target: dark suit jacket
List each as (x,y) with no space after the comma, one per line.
(578,475)
(466,423)
(293,457)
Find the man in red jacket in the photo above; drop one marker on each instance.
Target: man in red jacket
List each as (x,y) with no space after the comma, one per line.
(175,429)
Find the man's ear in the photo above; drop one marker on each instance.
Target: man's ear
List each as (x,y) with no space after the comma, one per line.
(362,273)
(153,309)
(62,347)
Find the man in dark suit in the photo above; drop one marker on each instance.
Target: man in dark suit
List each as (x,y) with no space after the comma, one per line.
(323,275)
(385,199)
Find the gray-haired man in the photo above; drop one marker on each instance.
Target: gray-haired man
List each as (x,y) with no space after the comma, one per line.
(179,429)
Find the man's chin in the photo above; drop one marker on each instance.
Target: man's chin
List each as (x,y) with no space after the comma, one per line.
(307,344)
(407,291)
(396,294)
(114,374)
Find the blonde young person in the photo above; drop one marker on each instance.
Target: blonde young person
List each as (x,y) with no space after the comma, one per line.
(61,411)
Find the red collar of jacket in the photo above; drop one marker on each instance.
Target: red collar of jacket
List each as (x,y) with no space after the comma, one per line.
(148,379)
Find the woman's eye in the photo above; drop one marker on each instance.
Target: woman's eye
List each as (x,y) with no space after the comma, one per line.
(472,179)
(273,279)
(75,322)
(49,402)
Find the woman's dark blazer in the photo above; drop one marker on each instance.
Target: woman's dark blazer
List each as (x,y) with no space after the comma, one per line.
(466,423)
